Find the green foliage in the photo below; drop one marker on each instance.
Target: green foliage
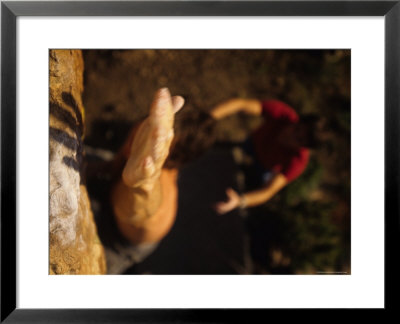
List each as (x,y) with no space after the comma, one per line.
(300,189)
(312,240)
(304,230)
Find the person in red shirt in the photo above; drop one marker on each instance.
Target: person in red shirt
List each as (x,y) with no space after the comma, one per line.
(279,149)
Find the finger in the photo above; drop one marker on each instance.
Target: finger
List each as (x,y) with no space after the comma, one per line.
(230,192)
(161,103)
(160,143)
(224,207)
(219,210)
(177,103)
(222,210)
(218,206)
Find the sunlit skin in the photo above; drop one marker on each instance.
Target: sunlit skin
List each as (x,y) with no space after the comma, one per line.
(279,181)
(141,197)
(150,146)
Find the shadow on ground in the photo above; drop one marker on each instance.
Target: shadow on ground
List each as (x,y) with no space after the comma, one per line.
(201,242)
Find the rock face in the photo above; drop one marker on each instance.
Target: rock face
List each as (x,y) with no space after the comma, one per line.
(74,245)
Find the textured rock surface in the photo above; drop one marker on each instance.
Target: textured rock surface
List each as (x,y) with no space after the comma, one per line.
(74,245)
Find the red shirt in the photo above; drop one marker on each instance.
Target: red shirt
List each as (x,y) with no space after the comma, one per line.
(271,154)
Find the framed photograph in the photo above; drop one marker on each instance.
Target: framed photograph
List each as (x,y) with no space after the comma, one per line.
(294,103)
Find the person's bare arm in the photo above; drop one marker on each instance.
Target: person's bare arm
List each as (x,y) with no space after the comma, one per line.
(251,198)
(257,197)
(233,106)
(137,194)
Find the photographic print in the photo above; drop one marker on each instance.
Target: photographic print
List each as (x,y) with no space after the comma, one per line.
(200,161)
(91,106)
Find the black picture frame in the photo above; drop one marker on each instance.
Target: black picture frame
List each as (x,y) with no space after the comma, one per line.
(10,10)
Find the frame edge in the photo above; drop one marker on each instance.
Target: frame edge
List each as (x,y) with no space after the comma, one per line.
(8,161)
(392,151)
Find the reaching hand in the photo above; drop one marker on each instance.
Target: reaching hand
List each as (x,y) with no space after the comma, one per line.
(231,203)
(150,146)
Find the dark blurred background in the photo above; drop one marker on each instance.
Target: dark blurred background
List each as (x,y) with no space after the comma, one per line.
(305,229)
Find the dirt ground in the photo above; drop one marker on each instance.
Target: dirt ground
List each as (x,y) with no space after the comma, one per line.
(119,86)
